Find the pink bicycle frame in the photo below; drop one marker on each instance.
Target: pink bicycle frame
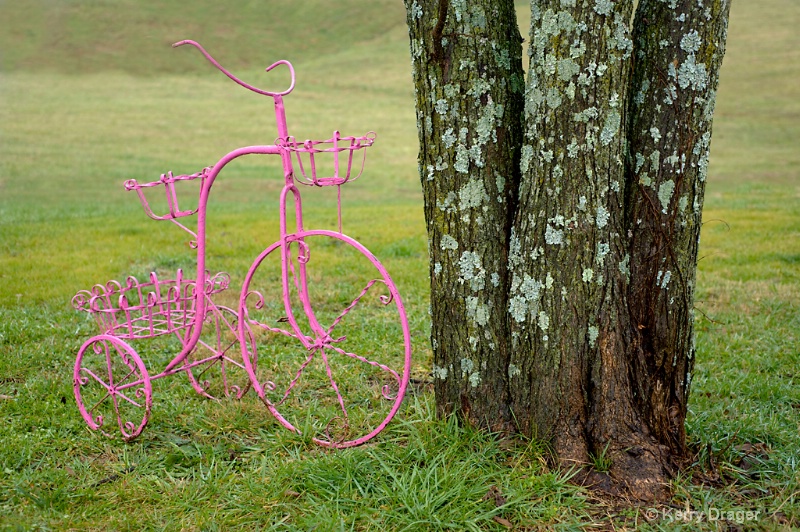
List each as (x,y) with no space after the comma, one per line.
(180,306)
(208,182)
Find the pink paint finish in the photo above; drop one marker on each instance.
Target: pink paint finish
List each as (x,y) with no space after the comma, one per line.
(112,381)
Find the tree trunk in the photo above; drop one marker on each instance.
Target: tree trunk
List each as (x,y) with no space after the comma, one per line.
(568,293)
(672,95)
(562,295)
(469,81)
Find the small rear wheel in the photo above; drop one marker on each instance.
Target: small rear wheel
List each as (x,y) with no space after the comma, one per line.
(222,372)
(111,383)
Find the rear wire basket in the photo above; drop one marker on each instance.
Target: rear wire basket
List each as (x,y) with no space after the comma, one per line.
(316,157)
(147,309)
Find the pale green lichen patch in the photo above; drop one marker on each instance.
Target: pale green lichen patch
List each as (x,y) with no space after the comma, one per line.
(448,138)
(603,249)
(639,162)
(471,270)
(610,127)
(477,311)
(639,98)
(462,152)
(448,204)
(467,366)
(472,195)
(448,242)
(691,42)
(553,236)
(665,191)
(500,182)
(528,291)
(573,148)
(692,74)
(620,40)
(567,69)
(602,217)
(526,157)
(593,332)
(475,379)
(518,308)
(462,159)
(543,320)
(485,127)
(530,288)
(554,98)
(624,266)
(587,114)
(656,134)
(416,48)
(603,7)
(416,10)
(515,257)
(662,279)
(655,160)
(502,57)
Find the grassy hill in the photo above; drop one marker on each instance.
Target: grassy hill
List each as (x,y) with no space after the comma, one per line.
(75,37)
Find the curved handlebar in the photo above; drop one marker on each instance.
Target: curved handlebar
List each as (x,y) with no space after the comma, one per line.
(237,80)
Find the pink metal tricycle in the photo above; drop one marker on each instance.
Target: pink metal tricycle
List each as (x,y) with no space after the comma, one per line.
(318,329)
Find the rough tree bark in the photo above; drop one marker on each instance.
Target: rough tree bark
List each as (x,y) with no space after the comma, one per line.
(469,77)
(563,258)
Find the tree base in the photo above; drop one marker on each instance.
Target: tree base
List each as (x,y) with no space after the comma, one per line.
(634,474)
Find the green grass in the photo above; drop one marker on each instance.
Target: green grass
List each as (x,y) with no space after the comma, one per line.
(93,95)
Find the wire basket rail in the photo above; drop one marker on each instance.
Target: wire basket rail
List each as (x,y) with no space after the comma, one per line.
(146,309)
(168,181)
(337,151)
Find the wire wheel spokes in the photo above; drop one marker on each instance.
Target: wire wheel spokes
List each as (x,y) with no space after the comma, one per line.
(215,367)
(334,362)
(111,385)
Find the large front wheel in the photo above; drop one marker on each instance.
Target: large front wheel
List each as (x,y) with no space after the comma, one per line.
(331,338)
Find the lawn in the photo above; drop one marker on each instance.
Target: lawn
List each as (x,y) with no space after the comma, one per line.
(93,95)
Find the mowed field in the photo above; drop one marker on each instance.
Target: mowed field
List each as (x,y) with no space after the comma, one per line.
(91,94)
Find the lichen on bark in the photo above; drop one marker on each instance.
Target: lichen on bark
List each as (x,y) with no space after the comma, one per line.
(467,69)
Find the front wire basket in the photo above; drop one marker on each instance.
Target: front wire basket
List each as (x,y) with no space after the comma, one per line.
(335,146)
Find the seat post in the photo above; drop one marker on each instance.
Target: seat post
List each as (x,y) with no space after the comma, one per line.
(283,135)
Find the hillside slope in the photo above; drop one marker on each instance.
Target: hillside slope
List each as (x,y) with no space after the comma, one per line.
(130,35)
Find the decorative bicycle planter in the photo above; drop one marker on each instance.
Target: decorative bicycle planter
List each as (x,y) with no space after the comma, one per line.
(320,332)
